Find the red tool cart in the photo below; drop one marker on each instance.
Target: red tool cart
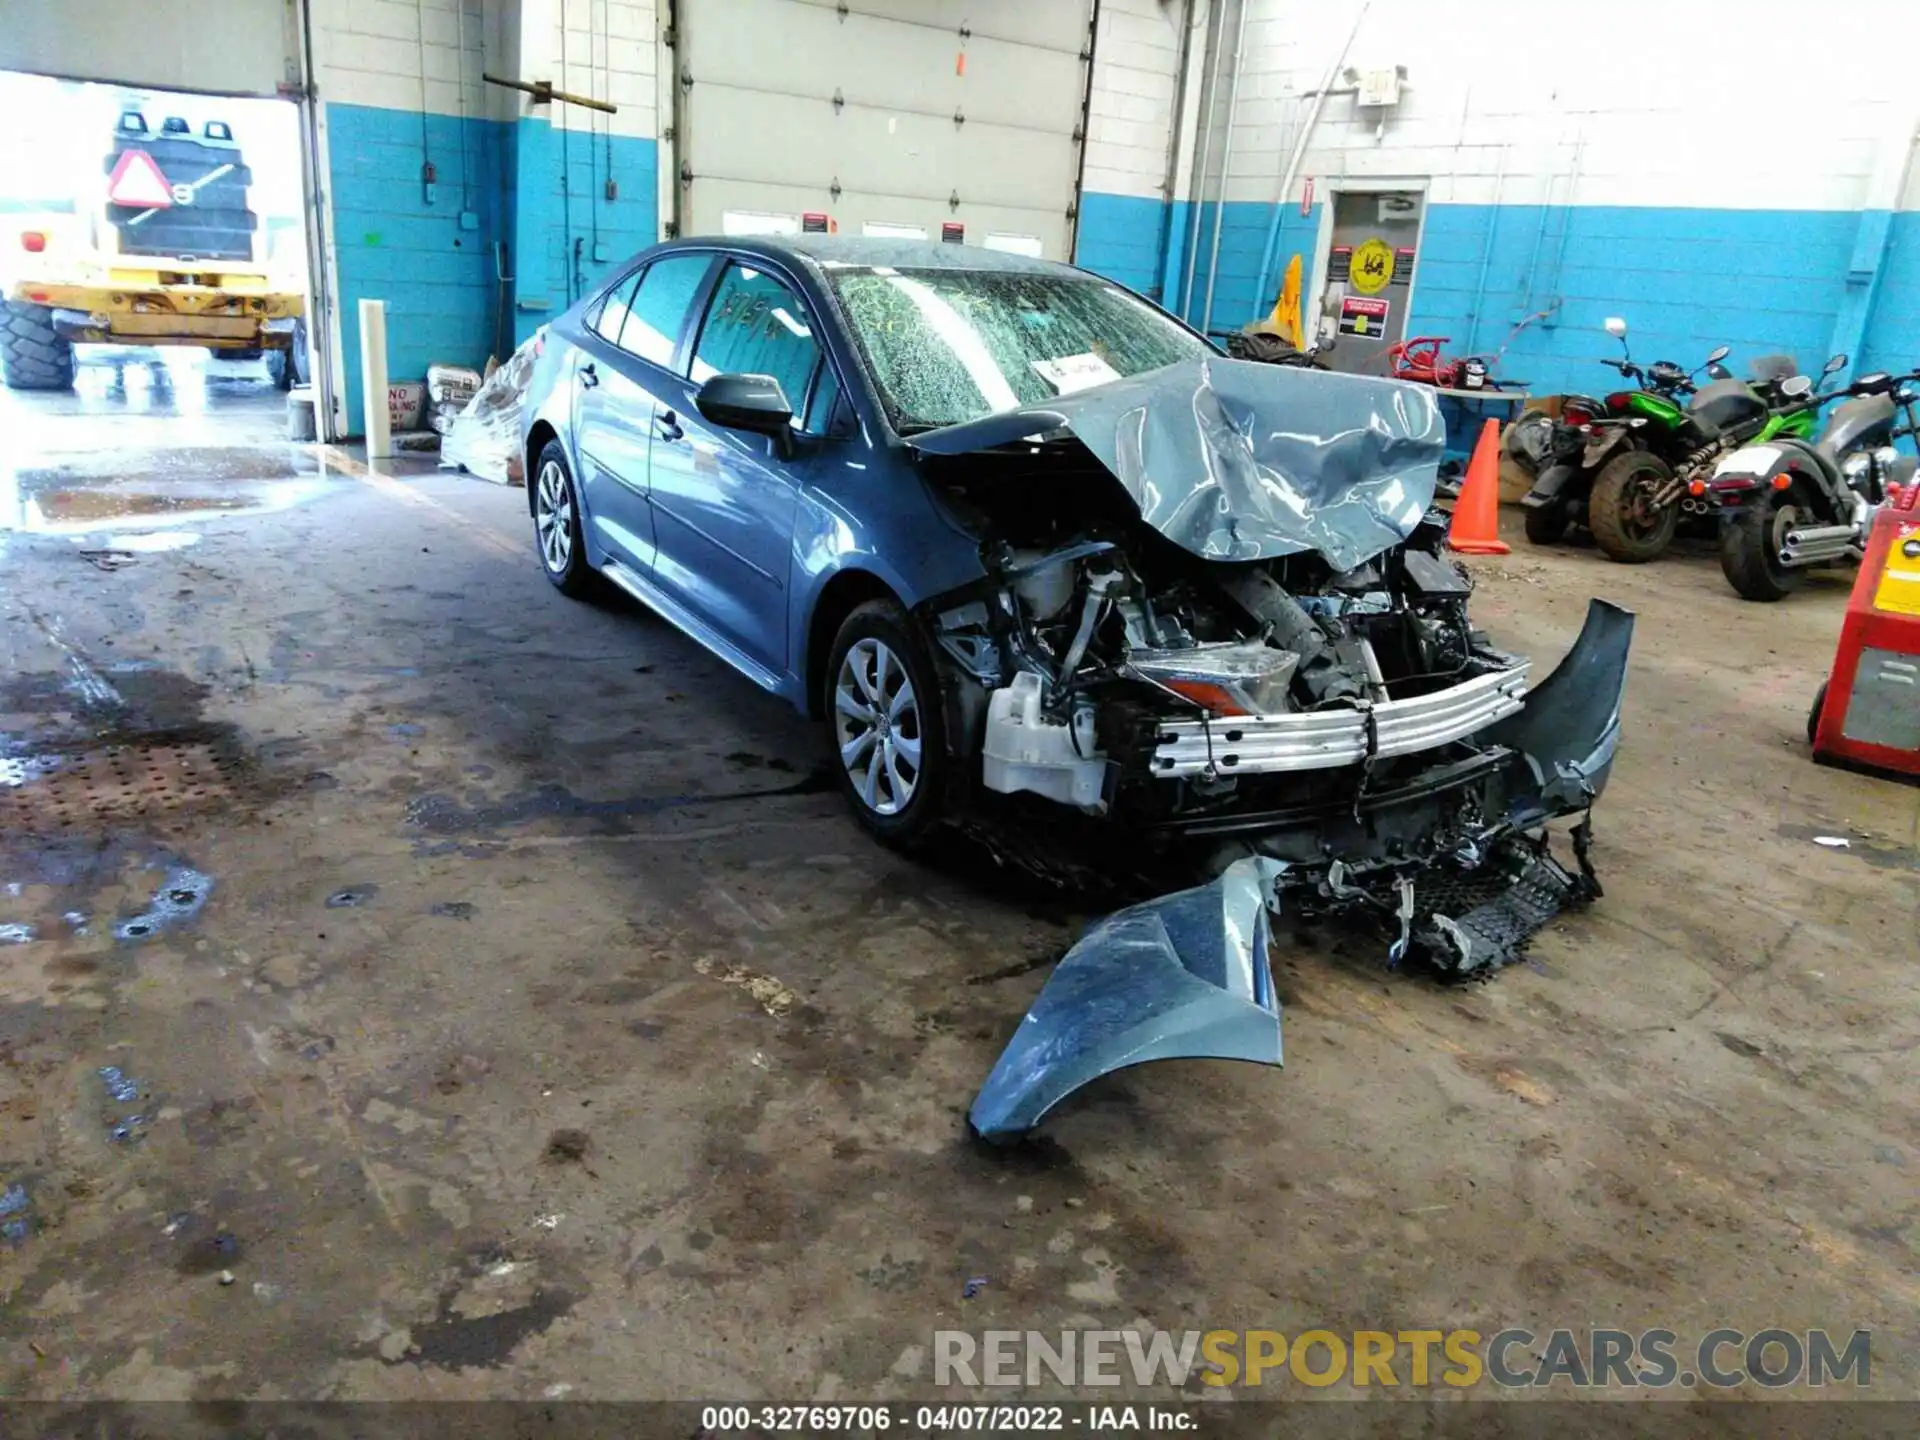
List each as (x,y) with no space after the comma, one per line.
(1868,710)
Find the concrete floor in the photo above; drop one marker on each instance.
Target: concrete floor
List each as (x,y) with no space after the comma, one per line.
(546,1029)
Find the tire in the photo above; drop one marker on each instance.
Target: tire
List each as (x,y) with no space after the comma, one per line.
(1547,524)
(1617,512)
(1813,715)
(557,534)
(1750,552)
(289,367)
(33,355)
(877,656)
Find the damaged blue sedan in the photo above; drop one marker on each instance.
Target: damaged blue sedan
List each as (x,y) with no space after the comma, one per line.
(1032,547)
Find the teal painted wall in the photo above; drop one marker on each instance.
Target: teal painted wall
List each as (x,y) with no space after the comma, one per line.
(1685,280)
(445,299)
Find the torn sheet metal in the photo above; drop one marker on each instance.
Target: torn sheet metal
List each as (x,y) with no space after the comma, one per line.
(1184,976)
(1236,460)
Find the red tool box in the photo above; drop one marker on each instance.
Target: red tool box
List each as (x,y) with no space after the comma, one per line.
(1868,711)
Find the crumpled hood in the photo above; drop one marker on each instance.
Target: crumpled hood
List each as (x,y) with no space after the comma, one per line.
(1236,460)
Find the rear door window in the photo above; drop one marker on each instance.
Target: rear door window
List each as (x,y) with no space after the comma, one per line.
(613,312)
(659,308)
(755,325)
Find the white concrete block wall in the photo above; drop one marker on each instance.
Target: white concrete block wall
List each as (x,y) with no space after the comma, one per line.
(400,55)
(1135,59)
(1728,110)
(610,50)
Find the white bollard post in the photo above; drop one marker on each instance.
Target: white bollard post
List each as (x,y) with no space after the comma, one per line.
(373,378)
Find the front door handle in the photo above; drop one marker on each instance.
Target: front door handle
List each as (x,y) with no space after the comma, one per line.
(589,377)
(668,424)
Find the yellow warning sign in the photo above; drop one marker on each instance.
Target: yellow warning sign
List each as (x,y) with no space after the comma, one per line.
(1371,269)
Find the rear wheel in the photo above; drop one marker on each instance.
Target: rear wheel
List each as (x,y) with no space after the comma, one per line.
(33,355)
(1750,550)
(557,526)
(288,367)
(1627,523)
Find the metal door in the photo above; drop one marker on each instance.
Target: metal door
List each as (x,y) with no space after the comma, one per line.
(624,366)
(929,114)
(1369,277)
(724,500)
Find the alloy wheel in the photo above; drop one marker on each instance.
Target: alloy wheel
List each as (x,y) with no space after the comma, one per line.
(876,724)
(553,517)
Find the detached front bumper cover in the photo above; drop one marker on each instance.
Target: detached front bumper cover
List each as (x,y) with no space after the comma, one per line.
(1187,976)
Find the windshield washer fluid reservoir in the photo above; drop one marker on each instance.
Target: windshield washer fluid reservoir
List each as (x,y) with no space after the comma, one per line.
(1025,750)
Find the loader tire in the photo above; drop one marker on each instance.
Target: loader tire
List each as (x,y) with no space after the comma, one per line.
(33,355)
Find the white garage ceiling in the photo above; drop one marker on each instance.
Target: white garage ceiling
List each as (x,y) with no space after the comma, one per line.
(917,124)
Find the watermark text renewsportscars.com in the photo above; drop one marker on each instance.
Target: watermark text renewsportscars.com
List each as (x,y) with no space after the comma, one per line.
(1593,1358)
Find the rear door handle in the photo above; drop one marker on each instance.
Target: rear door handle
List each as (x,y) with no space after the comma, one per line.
(668,425)
(589,377)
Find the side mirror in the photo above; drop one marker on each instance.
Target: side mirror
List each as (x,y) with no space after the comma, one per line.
(1717,371)
(1835,365)
(1616,327)
(745,402)
(1795,386)
(1719,354)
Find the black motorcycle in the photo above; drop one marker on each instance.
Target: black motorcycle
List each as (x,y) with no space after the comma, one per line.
(1791,503)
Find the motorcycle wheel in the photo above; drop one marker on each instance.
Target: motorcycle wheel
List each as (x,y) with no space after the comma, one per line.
(1626,524)
(1547,524)
(1750,551)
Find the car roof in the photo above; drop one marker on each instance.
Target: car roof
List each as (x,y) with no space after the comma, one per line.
(830,251)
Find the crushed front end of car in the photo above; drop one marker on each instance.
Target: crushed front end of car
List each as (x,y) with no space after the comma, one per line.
(1220,616)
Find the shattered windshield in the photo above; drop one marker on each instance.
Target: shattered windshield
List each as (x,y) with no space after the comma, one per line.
(946,346)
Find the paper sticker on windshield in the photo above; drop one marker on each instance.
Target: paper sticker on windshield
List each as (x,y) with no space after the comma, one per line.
(1075,372)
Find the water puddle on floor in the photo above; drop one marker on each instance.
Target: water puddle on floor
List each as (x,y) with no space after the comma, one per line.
(143,497)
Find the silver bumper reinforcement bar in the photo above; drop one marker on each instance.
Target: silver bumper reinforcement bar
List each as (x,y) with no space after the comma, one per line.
(1324,739)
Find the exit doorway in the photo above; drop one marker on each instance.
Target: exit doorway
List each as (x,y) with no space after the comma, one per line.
(1368,254)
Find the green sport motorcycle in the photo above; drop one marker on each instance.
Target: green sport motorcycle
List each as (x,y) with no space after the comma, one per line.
(1624,465)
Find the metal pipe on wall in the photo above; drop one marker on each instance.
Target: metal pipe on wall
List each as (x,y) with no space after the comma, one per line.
(1171,183)
(1268,253)
(1226,164)
(1209,101)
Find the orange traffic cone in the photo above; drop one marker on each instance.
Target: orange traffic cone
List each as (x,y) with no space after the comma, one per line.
(1476,514)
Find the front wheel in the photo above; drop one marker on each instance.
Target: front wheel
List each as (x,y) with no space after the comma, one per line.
(1628,523)
(889,735)
(1547,524)
(1750,551)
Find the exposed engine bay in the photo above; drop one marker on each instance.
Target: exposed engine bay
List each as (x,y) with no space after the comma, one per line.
(1212,631)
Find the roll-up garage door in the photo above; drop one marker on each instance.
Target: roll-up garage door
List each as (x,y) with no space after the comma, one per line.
(224,47)
(890,117)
